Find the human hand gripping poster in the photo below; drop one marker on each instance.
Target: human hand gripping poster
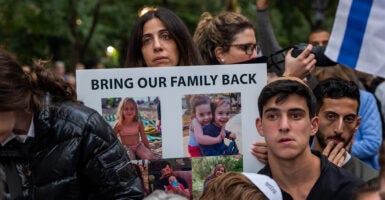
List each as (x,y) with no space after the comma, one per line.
(181,126)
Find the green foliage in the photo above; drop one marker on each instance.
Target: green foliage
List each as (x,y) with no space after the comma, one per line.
(48,29)
(202,167)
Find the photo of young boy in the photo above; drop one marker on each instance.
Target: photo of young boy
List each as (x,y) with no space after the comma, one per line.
(211,124)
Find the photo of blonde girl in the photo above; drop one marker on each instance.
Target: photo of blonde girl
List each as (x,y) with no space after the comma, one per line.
(130,130)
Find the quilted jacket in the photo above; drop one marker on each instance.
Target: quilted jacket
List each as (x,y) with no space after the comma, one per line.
(76,155)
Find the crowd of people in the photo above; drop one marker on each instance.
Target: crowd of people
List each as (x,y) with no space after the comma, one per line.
(322,136)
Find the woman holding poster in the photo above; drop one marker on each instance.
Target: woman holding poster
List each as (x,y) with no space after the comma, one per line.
(160,38)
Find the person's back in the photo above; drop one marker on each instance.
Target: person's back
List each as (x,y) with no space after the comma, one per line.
(61,159)
(74,153)
(14,172)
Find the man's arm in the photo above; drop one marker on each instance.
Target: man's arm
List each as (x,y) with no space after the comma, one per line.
(202,138)
(178,190)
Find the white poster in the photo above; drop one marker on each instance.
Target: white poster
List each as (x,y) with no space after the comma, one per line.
(172,88)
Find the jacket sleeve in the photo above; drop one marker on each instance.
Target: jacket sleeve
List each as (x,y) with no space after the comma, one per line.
(107,170)
(380,94)
(368,137)
(266,35)
(267,39)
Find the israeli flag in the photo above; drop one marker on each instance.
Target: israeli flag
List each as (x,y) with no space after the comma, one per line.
(358,36)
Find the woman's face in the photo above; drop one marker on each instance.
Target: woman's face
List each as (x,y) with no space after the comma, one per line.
(237,50)
(220,171)
(158,48)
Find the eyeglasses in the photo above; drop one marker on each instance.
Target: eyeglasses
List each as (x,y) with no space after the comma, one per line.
(247,48)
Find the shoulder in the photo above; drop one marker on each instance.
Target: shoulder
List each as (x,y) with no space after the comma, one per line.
(367,97)
(140,123)
(265,170)
(81,119)
(75,112)
(335,182)
(360,169)
(338,176)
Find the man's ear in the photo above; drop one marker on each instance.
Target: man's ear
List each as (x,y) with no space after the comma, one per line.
(219,54)
(314,125)
(358,124)
(258,125)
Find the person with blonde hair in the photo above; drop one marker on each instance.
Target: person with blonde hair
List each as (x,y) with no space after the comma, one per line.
(219,169)
(130,129)
(242,186)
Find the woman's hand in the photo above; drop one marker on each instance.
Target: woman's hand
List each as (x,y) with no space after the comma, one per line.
(259,150)
(302,65)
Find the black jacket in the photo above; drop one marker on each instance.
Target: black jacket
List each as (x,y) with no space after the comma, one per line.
(14,171)
(333,183)
(76,155)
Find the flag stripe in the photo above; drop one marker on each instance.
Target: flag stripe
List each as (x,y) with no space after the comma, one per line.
(337,35)
(371,59)
(354,34)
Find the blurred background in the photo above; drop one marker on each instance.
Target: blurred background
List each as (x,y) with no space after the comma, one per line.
(95,32)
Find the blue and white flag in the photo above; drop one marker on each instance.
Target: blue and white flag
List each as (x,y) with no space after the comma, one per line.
(358,36)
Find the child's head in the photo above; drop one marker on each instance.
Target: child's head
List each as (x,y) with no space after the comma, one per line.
(220,107)
(201,109)
(172,180)
(127,109)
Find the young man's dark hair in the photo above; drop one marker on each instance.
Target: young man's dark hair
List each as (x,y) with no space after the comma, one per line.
(287,121)
(283,88)
(336,88)
(165,164)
